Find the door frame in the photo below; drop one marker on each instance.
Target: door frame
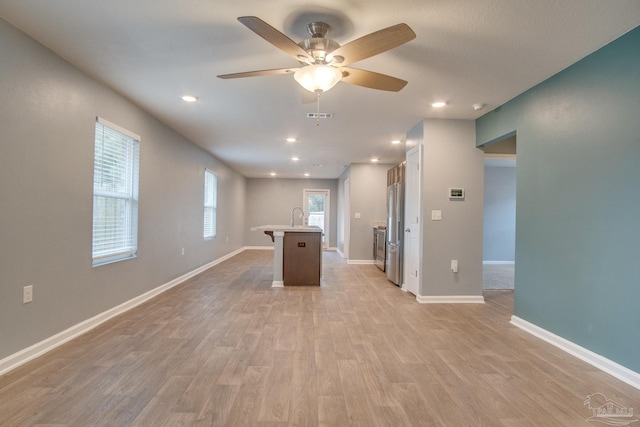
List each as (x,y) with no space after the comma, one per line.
(413,198)
(346,214)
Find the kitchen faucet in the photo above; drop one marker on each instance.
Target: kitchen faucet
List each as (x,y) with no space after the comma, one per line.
(292,212)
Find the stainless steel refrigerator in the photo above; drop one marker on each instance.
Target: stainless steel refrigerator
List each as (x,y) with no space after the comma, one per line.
(395,223)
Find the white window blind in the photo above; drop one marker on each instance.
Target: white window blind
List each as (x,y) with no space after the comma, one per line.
(210,203)
(115,193)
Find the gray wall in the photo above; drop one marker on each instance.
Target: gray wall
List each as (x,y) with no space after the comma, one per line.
(368,197)
(577,233)
(270,200)
(499,234)
(343,210)
(451,159)
(47,117)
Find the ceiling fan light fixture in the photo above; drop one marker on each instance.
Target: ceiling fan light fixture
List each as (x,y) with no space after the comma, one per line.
(318,77)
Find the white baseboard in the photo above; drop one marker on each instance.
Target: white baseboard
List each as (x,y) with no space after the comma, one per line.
(361,261)
(498,262)
(609,366)
(450,299)
(48,344)
(340,253)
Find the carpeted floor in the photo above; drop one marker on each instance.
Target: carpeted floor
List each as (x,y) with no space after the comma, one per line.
(498,276)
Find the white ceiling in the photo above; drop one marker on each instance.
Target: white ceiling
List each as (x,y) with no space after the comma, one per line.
(466,52)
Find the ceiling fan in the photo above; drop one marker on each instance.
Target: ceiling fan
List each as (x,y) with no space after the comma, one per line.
(323,62)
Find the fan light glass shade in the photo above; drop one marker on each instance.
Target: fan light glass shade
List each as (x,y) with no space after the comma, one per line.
(318,77)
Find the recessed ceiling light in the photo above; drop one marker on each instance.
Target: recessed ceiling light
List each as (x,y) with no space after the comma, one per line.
(291,140)
(189,98)
(272,174)
(438,104)
(375,160)
(395,142)
(307,174)
(478,107)
(295,158)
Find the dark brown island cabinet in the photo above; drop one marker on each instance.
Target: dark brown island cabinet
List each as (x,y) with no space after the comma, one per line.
(302,258)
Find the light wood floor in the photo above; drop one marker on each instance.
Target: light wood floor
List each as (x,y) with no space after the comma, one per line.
(227,349)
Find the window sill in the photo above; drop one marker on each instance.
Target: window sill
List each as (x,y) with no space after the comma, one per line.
(111,260)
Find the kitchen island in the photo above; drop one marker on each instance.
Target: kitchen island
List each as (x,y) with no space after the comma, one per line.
(297,255)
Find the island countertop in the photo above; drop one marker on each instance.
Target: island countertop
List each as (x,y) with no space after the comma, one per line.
(285,228)
(297,255)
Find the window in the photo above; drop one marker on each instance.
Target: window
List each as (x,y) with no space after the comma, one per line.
(210,204)
(115,193)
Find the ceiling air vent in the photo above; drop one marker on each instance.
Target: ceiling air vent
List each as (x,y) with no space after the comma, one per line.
(319,115)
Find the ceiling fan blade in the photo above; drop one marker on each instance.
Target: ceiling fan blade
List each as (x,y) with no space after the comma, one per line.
(374,43)
(275,37)
(258,73)
(372,80)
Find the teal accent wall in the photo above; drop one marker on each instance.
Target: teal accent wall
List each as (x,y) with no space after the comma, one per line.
(578,200)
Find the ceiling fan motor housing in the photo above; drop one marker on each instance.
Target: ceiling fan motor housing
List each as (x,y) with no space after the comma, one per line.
(319,48)
(318,45)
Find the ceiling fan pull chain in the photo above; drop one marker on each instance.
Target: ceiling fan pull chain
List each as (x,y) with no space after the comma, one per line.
(318,109)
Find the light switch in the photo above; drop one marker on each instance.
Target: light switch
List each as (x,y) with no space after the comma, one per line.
(436,215)
(27,294)
(357,215)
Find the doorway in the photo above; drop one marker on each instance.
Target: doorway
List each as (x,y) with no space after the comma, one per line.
(499,228)
(316,207)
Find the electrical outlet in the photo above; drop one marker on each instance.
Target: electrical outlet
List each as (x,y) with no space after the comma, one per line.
(27,294)
(182,251)
(436,215)
(454,265)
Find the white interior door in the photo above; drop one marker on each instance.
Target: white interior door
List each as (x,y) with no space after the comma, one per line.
(316,209)
(412,222)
